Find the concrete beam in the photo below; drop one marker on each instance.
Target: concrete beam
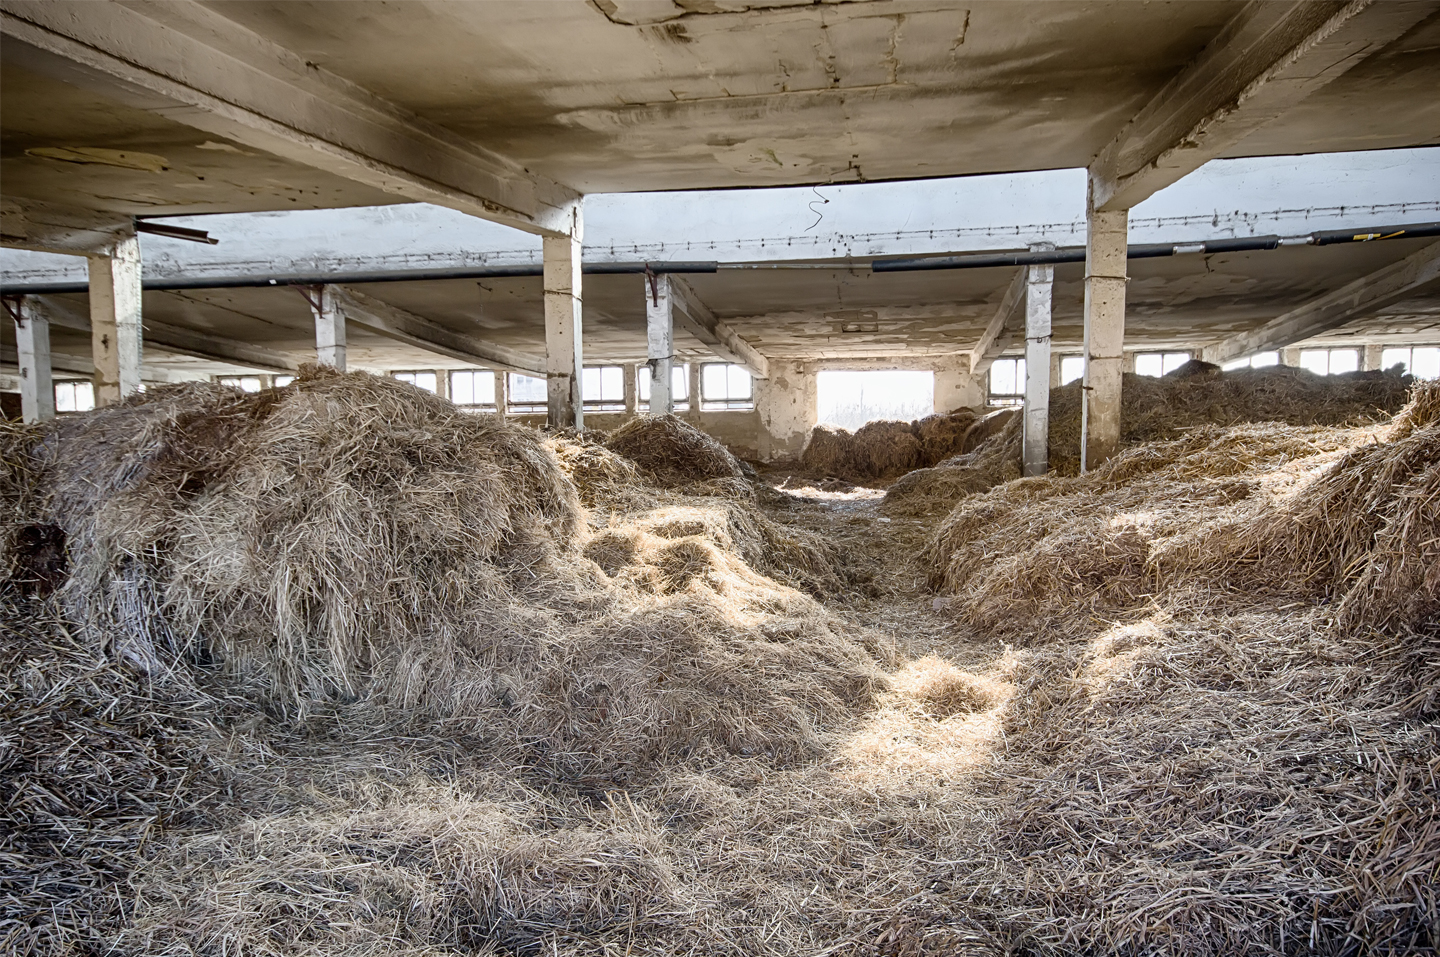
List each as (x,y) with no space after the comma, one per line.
(1355,300)
(722,340)
(51,228)
(659,341)
(564,340)
(401,325)
(59,362)
(115,331)
(37,386)
(1003,326)
(176,339)
(187,62)
(1268,58)
(1036,441)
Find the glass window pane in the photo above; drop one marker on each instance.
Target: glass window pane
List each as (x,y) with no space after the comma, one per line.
(739,382)
(1425,362)
(1072,368)
(1262,359)
(64,397)
(1315,360)
(680,382)
(462,388)
(1344,360)
(1149,363)
(1393,357)
(1174,360)
(426,381)
(713,381)
(1234,364)
(612,383)
(283,380)
(527,389)
(590,384)
(406,377)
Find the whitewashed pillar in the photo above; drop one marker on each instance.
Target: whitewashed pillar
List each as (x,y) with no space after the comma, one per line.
(115,305)
(1105,265)
(329,327)
(659,342)
(32,340)
(1036,442)
(564,349)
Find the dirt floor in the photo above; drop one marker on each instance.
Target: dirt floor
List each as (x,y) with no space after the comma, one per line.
(338,670)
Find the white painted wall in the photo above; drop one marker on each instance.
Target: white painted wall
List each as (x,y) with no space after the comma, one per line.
(1225,198)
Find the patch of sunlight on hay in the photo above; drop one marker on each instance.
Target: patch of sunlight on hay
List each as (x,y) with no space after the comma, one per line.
(936,722)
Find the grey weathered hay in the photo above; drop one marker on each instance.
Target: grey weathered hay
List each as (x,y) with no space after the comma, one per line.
(672,451)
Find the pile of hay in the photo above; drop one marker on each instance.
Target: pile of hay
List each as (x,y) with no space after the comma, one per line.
(641,531)
(1156,409)
(1195,395)
(672,452)
(884,450)
(1219,735)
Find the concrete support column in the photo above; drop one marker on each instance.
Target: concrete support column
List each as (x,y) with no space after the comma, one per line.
(659,342)
(1104,335)
(32,341)
(115,337)
(1054,369)
(956,389)
(788,406)
(442,383)
(1127,363)
(564,360)
(329,327)
(696,367)
(502,392)
(1038,287)
(1290,357)
(1371,355)
(632,375)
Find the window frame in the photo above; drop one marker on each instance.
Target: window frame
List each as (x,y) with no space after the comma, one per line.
(399,375)
(728,403)
(528,407)
(603,404)
(1006,398)
(490,406)
(679,376)
(73,385)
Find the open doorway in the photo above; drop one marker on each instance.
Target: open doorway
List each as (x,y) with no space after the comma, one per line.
(850,399)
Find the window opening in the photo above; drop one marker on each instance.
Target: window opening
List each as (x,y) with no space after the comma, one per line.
(1007,382)
(528,394)
(1159,363)
(473,389)
(1258,361)
(849,399)
(1420,361)
(420,380)
(74,396)
(281,381)
(245,383)
(1071,368)
(679,386)
(725,386)
(602,388)
(1330,361)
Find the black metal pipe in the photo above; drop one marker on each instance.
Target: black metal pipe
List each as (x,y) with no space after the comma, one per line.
(1070,254)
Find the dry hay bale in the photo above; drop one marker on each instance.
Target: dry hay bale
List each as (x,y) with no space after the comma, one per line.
(1364,531)
(927,491)
(884,450)
(1054,547)
(602,478)
(943,435)
(827,452)
(1157,409)
(672,451)
(347,536)
(993,423)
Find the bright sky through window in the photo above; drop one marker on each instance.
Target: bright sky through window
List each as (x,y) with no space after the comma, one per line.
(850,399)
